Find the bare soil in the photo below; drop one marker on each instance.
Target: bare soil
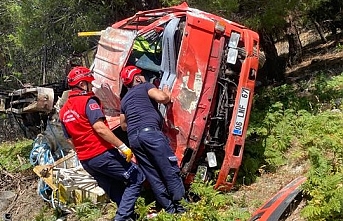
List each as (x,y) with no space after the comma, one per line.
(27,204)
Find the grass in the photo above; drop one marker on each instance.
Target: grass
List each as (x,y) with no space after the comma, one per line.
(15,155)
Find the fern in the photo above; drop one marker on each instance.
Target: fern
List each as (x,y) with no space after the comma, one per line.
(87,211)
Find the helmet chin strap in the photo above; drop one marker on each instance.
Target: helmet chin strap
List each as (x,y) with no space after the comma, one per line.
(80,88)
(88,88)
(139,80)
(84,90)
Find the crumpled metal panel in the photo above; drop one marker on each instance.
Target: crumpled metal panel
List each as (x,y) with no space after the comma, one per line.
(113,49)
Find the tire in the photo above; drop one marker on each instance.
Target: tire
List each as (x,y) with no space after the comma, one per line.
(261,56)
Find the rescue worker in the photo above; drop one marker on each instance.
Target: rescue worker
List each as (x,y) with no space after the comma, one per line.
(142,120)
(100,152)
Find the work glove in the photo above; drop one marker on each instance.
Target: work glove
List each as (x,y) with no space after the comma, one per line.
(126,151)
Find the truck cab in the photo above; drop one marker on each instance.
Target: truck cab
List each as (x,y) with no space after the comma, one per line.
(209,63)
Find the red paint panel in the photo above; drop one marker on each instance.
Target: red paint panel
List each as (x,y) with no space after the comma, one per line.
(200,122)
(191,73)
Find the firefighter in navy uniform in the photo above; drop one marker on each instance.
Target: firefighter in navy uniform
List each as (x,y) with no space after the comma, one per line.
(100,152)
(142,120)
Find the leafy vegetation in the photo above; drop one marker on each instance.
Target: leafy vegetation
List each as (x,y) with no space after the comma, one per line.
(325,182)
(210,205)
(15,155)
(305,116)
(87,211)
(44,215)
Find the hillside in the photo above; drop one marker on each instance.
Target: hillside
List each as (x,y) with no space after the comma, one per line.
(27,204)
(318,58)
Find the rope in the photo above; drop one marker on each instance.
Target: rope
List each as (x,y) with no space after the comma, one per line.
(41,152)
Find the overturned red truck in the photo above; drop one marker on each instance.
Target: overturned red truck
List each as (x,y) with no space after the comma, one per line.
(209,63)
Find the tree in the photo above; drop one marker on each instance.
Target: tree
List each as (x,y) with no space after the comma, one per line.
(223,8)
(294,43)
(268,19)
(43,33)
(37,37)
(325,14)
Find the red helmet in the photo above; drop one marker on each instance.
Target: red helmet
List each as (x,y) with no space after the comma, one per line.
(78,74)
(128,73)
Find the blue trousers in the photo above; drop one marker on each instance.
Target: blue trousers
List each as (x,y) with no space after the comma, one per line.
(159,164)
(122,181)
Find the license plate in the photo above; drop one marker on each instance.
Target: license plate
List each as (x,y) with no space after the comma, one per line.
(241,112)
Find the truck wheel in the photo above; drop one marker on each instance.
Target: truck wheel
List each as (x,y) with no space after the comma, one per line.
(261,56)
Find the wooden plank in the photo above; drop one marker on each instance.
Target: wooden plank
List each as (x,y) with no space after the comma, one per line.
(47,179)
